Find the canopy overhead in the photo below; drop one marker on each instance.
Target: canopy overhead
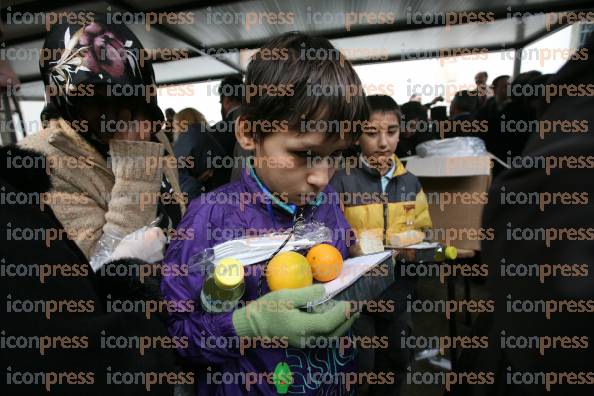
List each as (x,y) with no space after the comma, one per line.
(213,39)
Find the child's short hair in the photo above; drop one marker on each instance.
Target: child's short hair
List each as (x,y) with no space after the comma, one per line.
(384,104)
(464,101)
(414,111)
(317,89)
(232,87)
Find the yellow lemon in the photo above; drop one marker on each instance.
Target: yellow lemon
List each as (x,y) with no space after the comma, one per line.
(288,270)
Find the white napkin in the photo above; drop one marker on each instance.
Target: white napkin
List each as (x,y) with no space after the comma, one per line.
(255,250)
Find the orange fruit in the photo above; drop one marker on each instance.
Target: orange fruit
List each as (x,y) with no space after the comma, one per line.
(325,261)
(288,270)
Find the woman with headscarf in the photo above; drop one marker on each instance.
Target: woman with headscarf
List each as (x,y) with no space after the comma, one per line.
(105,151)
(66,329)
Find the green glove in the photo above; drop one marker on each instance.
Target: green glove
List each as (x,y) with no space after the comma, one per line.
(277,315)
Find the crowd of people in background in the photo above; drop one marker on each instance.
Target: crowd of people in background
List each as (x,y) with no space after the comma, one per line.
(495,109)
(480,113)
(112,207)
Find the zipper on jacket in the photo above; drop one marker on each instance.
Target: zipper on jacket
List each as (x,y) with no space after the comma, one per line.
(385,205)
(386,223)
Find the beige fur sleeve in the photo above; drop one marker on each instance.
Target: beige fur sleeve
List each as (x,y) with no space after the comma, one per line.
(138,173)
(131,199)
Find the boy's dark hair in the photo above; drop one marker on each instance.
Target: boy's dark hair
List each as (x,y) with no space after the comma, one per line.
(464,101)
(319,85)
(414,111)
(382,103)
(232,87)
(482,73)
(499,78)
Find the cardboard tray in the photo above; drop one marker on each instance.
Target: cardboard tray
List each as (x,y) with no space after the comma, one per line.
(415,255)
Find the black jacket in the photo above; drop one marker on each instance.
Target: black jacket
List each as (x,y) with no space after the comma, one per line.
(71,302)
(223,133)
(519,243)
(205,152)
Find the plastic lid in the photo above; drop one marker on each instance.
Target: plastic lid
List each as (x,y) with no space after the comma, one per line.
(228,273)
(451,252)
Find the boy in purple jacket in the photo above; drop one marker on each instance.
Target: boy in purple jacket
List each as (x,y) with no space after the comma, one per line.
(298,90)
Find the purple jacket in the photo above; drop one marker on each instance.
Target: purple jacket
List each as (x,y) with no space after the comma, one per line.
(214,218)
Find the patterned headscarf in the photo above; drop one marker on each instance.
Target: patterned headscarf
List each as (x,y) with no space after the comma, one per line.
(96,53)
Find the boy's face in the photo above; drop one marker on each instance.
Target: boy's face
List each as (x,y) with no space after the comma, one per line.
(480,79)
(379,142)
(501,89)
(296,165)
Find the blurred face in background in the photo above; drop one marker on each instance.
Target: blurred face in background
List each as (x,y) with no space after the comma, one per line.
(227,104)
(500,89)
(169,115)
(409,128)
(481,79)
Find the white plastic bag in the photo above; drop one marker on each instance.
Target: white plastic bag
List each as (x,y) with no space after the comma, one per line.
(103,249)
(145,244)
(109,241)
(452,147)
(254,250)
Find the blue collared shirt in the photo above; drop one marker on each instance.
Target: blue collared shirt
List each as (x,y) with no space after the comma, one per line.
(385,178)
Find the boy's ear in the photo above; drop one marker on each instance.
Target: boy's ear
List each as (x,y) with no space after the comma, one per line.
(243,134)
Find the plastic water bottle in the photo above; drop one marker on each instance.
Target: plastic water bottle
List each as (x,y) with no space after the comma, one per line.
(223,287)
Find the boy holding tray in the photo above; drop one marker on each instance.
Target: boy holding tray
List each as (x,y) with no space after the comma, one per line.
(284,182)
(383,203)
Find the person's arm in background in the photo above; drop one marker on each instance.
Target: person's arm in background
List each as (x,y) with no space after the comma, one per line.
(138,172)
(433,101)
(79,193)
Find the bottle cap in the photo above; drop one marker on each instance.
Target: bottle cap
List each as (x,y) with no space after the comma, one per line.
(228,273)
(451,253)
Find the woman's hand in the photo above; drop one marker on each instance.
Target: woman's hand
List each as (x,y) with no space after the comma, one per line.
(131,128)
(146,244)
(132,136)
